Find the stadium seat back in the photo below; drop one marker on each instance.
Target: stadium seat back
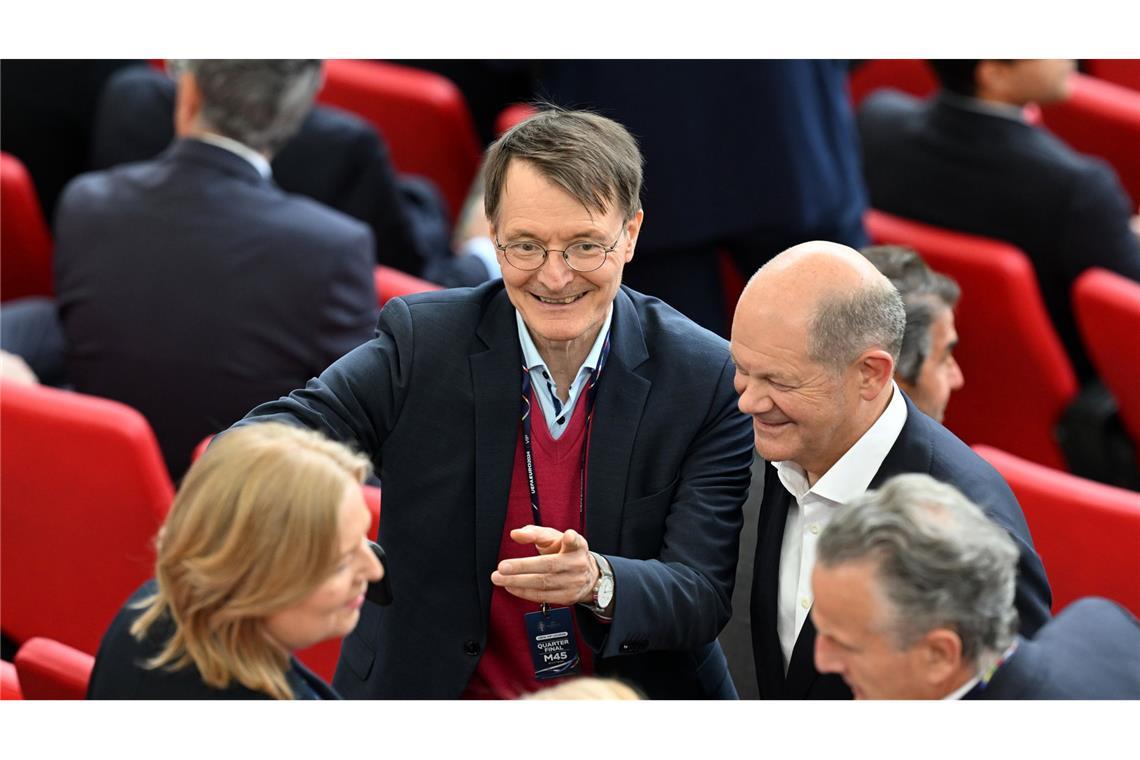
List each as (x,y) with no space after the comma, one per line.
(1108,314)
(1018,377)
(25,241)
(51,670)
(391,283)
(1087,533)
(422,116)
(1101,119)
(83,490)
(910,75)
(9,681)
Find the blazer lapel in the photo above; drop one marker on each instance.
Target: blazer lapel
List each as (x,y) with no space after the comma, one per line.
(766,584)
(622,394)
(496,384)
(913,450)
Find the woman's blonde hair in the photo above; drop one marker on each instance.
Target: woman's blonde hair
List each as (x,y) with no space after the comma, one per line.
(253,529)
(588,687)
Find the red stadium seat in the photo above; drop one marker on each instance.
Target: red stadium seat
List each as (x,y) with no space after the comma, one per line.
(1018,377)
(512,115)
(1087,533)
(1102,119)
(1122,71)
(83,490)
(51,670)
(25,240)
(391,283)
(9,681)
(1108,314)
(422,116)
(912,76)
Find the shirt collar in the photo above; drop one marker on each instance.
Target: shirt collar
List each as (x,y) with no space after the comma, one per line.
(532,358)
(854,471)
(258,161)
(964,689)
(989,108)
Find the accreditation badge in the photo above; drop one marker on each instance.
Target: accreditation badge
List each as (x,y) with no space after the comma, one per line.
(552,645)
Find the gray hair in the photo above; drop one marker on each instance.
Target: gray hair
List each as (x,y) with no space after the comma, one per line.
(594,159)
(941,562)
(261,104)
(845,326)
(925,293)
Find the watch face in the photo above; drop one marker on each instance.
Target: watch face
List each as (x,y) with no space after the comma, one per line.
(605,591)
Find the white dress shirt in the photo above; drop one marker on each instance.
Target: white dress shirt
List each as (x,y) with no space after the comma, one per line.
(814,508)
(558,414)
(233,146)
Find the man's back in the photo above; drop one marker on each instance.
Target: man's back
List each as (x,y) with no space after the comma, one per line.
(957,167)
(193,289)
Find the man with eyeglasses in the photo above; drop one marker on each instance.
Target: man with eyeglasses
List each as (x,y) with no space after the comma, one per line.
(562,459)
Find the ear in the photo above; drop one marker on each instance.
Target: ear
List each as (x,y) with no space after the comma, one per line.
(940,656)
(993,80)
(633,228)
(187,105)
(875,370)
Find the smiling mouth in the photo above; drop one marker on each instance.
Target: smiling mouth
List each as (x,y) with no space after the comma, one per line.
(559,301)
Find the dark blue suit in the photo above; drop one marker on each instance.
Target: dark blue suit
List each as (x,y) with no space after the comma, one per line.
(119,674)
(936,162)
(745,156)
(192,288)
(434,399)
(1089,651)
(923,446)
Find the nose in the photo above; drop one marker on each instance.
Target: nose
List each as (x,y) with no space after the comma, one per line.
(957,379)
(753,398)
(372,570)
(826,660)
(555,273)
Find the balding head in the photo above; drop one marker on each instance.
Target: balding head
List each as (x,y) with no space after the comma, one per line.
(815,337)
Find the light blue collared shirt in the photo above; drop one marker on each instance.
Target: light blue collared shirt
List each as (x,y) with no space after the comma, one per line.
(258,161)
(558,414)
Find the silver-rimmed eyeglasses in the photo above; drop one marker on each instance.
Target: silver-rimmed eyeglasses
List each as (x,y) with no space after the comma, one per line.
(581,256)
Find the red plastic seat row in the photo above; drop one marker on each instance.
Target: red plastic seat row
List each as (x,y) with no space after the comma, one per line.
(25,241)
(391,283)
(9,681)
(1087,533)
(51,670)
(1018,378)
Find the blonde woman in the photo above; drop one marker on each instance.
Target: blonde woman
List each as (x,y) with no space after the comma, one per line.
(264,552)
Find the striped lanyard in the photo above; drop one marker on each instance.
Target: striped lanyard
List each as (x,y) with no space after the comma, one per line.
(591,391)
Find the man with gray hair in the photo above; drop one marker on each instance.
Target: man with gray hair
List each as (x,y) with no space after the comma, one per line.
(190,286)
(914,590)
(815,339)
(926,369)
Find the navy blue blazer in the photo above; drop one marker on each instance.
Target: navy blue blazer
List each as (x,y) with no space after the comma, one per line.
(1091,650)
(434,400)
(935,162)
(192,288)
(119,672)
(335,158)
(923,446)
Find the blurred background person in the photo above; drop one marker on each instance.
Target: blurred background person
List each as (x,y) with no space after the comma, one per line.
(926,370)
(914,590)
(968,160)
(190,287)
(264,552)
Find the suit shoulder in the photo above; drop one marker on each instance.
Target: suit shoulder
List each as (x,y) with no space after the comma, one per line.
(299,214)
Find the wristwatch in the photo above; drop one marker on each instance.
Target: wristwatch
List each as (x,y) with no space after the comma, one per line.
(604,588)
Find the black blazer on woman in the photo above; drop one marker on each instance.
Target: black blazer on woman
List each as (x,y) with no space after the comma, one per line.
(119,673)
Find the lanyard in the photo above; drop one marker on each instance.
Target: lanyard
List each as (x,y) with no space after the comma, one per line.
(591,391)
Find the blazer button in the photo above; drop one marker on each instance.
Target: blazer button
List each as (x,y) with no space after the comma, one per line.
(471,648)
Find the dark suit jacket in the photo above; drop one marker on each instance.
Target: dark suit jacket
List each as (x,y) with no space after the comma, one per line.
(119,671)
(923,446)
(1089,651)
(434,399)
(336,158)
(938,163)
(192,289)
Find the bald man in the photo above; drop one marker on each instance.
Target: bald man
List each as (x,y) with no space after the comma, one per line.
(815,339)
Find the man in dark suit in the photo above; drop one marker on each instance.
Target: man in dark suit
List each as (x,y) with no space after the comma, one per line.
(968,160)
(748,157)
(914,591)
(551,437)
(815,340)
(335,158)
(191,287)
